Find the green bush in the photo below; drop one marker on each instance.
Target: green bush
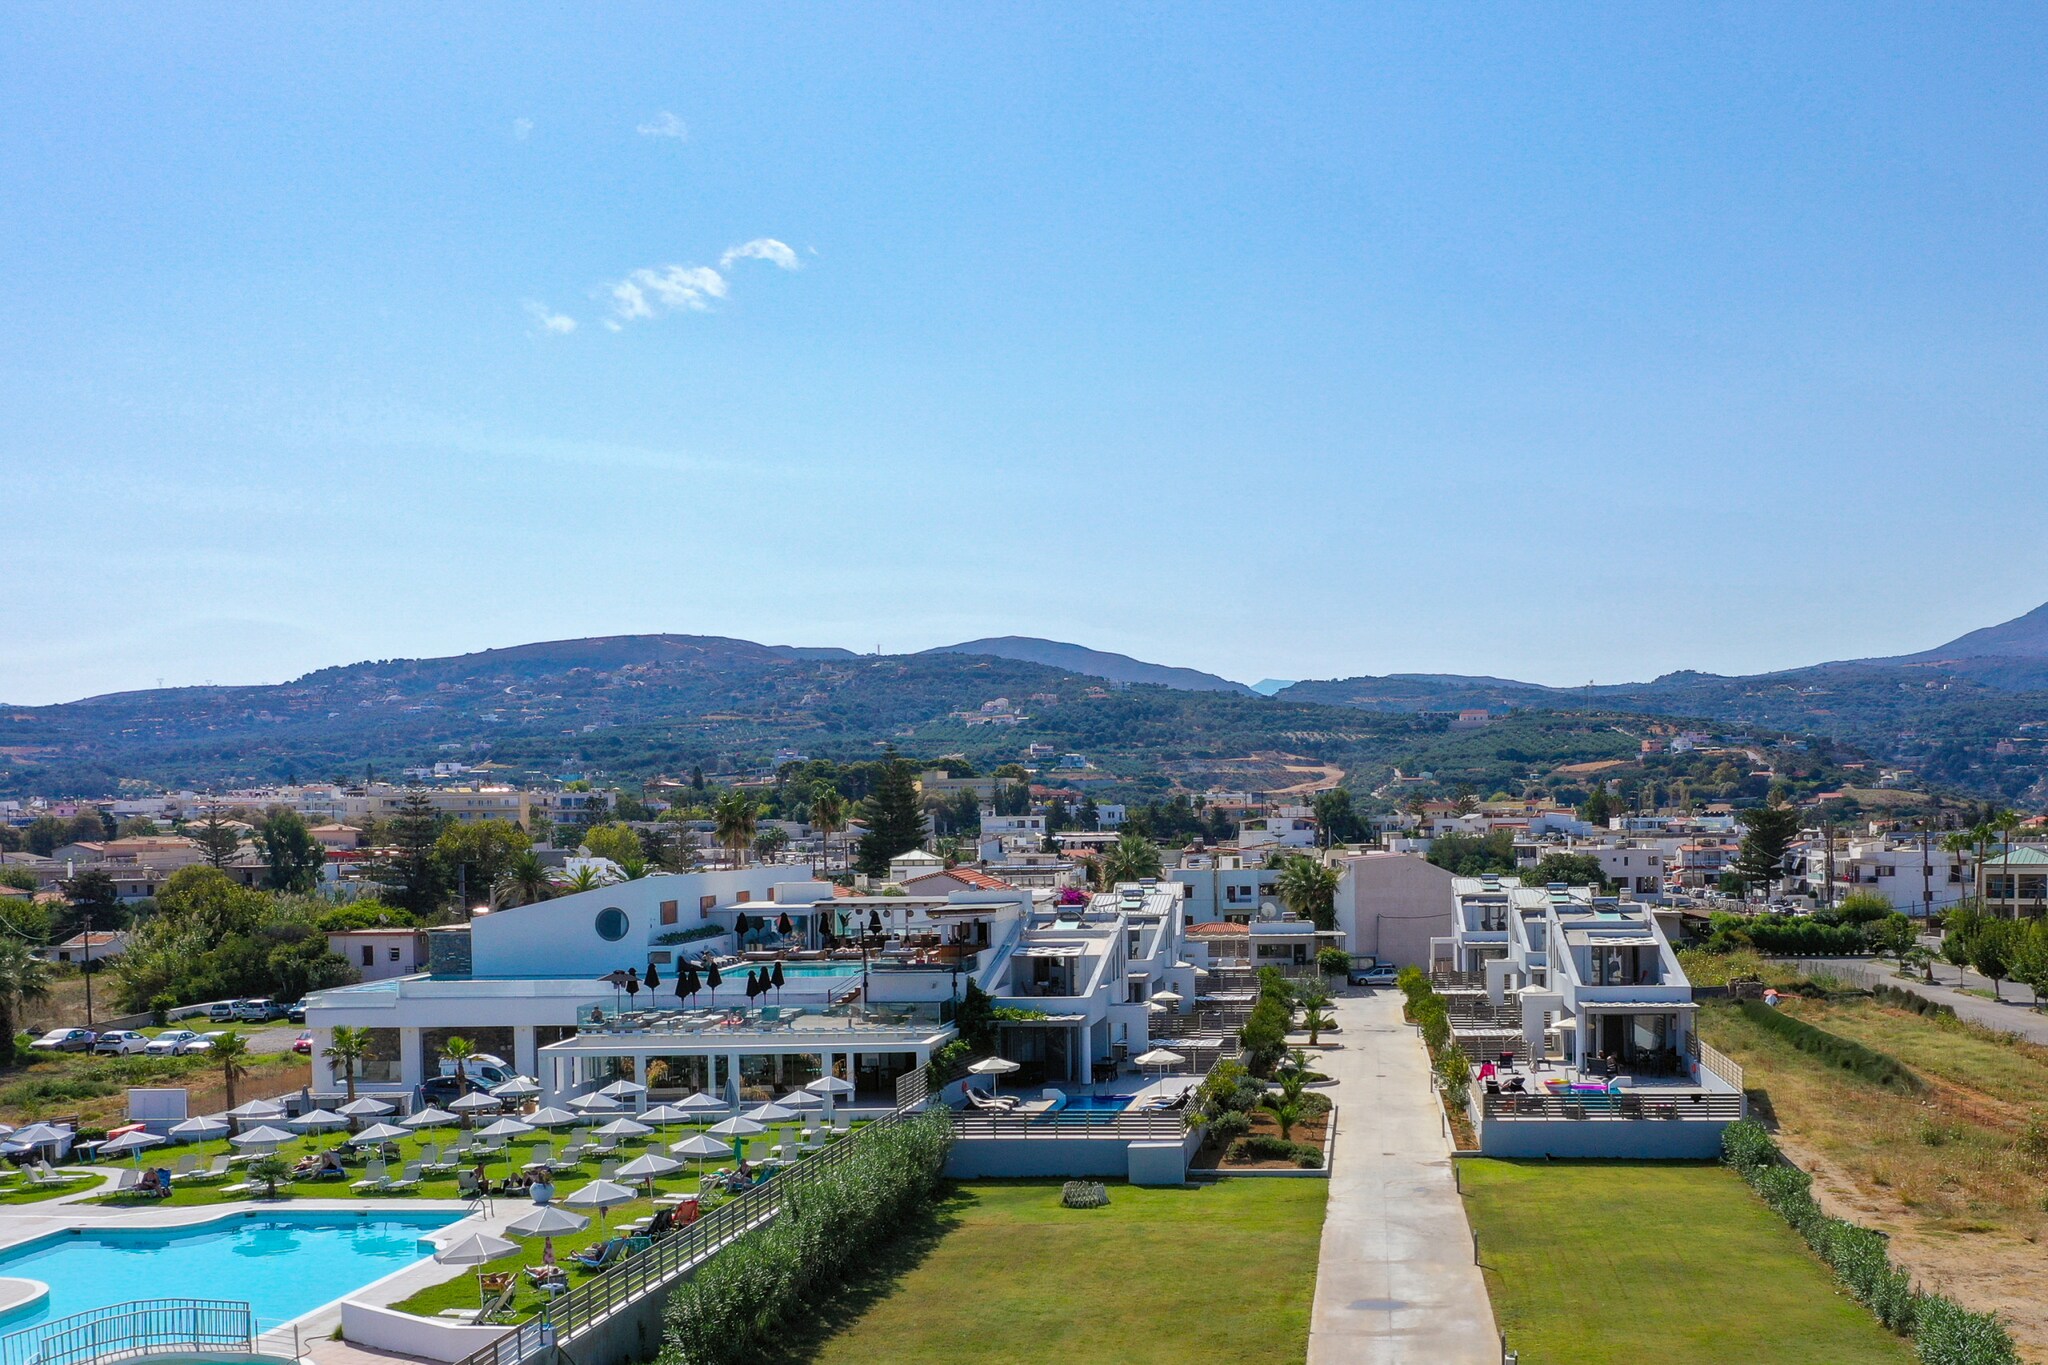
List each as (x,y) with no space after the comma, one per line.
(1911,1000)
(1944,1332)
(1333,961)
(1229,1126)
(742,1301)
(1266,1147)
(1864,1063)
(160,1007)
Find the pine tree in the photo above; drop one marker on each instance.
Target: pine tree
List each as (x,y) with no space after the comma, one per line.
(219,842)
(413,876)
(1770,831)
(895,818)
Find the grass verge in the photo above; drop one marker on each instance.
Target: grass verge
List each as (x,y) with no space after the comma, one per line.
(1581,1272)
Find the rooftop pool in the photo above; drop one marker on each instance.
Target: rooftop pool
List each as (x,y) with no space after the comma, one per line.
(282,1264)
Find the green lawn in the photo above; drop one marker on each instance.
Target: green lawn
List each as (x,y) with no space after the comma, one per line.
(1592,1262)
(1000,1271)
(15,1189)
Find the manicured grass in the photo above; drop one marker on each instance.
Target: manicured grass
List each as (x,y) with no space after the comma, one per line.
(17,1190)
(1627,1262)
(1000,1271)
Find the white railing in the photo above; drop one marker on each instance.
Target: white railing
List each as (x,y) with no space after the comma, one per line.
(143,1327)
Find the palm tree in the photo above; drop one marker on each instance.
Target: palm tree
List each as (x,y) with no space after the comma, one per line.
(735,816)
(1309,889)
(2007,823)
(231,1052)
(828,817)
(23,977)
(583,879)
(348,1046)
(524,882)
(459,1050)
(1131,859)
(1314,1002)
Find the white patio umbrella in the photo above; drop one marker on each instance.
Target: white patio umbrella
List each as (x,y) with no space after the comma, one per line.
(549,1222)
(830,1085)
(199,1130)
(518,1088)
(624,1128)
(256,1111)
(475,1102)
(550,1117)
(665,1114)
(363,1107)
(993,1067)
(802,1099)
(701,1146)
(1154,1007)
(130,1143)
(647,1168)
(262,1136)
(315,1121)
(1167,998)
(596,1099)
(602,1195)
(1159,1057)
(624,1090)
(737,1128)
(429,1118)
(702,1103)
(378,1133)
(771,1113)
(479,1248)
(506,1128)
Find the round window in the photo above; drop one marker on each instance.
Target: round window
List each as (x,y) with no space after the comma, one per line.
(611,924)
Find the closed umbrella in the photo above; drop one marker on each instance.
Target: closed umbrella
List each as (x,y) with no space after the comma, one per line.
(262,1136)
(775,975)
(130,1143)
(548,1222)
(711,977)
(199,1130)
(551,1117)
(650,979)
(430,1118)
(478,1249)
(318,1120)
(602,1195)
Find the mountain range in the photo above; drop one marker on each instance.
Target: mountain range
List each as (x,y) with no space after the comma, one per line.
(1967,715)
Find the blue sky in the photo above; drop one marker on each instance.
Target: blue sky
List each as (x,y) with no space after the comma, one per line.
(1556,343)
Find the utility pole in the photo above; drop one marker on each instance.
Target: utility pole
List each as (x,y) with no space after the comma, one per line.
(88,966)
(1926,876)
(1828,833)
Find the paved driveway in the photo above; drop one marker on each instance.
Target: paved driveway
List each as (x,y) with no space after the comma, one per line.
(1395,1284)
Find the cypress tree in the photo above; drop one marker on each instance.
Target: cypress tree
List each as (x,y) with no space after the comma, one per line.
(895,818)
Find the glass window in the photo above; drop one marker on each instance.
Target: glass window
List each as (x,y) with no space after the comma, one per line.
(611,924)
(668,912)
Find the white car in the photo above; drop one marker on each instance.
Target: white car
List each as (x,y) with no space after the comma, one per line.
(120,1043)
(170,1042)
(203,1043)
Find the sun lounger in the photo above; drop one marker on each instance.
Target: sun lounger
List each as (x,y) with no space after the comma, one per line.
(187,1165)
(992,1104)
(492,1306)
(216,1171)
(408,1180)
(431,1160)
(124,1181)
(607,1169)
(377,1178)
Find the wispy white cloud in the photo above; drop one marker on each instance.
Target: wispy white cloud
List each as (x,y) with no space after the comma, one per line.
(559,324)
(648,293)
(522,128)
(762,249)
(664,124)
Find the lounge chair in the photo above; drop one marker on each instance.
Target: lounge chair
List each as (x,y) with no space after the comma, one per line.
(376,1179)
(542,1154)
(601,1255)
(187,1165)
(218,1170)
(409,1179)
(548,1279)
(431,1161)
(507,1285)
(125,1182)
(607,1169)
(467,1185)
(992,1104)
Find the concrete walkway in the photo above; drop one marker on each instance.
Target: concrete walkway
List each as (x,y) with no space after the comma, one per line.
(1395,1284)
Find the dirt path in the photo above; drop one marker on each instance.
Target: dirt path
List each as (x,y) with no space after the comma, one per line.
(1326,779)
(1986,1271)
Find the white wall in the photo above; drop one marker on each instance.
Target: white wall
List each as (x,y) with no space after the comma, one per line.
(1391,904)
(559,938)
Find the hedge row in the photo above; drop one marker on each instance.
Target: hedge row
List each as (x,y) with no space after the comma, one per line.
(1865,1063)
(1943,1331)
(738,1304)
(1911,1000)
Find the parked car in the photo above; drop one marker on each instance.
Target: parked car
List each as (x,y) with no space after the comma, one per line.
(222,1011)
(203,1043)
(296,1012)
(120,1042)
(1379,974)
(169,1042)
(65,1040)
(258,1011)
(303,1044)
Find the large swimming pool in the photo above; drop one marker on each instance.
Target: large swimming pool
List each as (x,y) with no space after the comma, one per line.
(282,1264)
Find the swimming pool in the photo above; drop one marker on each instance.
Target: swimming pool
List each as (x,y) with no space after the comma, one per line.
(282,1264)
(1096,1104)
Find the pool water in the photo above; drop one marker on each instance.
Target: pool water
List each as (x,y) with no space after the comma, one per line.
(1096,1104)
(281,1264)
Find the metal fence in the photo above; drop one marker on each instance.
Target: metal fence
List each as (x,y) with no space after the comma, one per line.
(1144,1125)
(591,1302)
(1712,1059)
(131,1329)
(1608,1107)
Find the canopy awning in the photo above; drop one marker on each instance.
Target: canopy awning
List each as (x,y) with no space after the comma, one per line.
(1636,1006)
